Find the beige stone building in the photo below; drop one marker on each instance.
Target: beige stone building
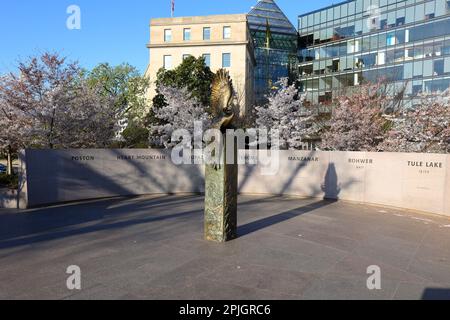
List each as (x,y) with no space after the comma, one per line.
(223,40)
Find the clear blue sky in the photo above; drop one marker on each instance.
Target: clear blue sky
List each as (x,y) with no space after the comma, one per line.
(113,31)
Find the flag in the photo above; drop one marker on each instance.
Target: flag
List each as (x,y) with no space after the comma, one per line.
(172,8)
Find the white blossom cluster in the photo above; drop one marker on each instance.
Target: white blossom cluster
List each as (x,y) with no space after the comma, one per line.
(180,112)
(47,106)
(285,111)
(424,128)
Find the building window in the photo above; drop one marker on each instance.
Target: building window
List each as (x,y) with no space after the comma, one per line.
(187,34)
(167,62)
(438,68)
(390,40)
(167,35)
(416,89)
(185,56)
(226,60)
(207,33)
(207,58)
(227,32)
(400,21)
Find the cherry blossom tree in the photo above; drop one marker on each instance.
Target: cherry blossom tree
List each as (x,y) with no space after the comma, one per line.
(358,122)
(41,91)
(15,127)
(423,128)
(89,120)
(48,104)
(179,111)
(286,112)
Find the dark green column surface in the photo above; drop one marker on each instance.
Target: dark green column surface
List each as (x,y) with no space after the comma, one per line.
(221,200)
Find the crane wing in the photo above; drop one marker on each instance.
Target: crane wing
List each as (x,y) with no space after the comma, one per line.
(221,92)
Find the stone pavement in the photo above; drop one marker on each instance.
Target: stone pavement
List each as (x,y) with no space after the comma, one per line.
(152,248)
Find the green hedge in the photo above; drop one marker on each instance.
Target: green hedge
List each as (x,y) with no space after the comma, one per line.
(11,182)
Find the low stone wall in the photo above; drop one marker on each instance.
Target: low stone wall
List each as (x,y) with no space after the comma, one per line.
(405,180)
(411,181)
(70,175)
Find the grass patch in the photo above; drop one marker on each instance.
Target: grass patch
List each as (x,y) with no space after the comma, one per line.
(11,182)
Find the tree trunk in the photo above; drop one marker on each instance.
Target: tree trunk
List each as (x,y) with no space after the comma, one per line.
(50,135)
(9,162)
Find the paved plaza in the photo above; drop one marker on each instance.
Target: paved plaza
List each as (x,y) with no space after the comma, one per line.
(288,248)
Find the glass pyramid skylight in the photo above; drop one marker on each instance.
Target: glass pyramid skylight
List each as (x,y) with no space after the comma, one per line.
(268,11)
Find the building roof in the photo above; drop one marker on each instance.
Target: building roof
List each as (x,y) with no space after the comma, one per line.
(268,11)
(223,18)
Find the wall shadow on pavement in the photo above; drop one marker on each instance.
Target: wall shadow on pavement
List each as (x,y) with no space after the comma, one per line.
(281,217)
(46,224)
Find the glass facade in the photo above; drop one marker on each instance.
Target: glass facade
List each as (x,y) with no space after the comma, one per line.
(276,42)
(406,42)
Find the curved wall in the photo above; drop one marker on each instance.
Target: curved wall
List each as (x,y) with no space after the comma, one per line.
(410,181)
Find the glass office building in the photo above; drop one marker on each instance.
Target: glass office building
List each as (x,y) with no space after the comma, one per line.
(406,42)
(276,46)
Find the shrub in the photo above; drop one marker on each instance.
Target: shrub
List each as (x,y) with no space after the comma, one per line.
(9,181)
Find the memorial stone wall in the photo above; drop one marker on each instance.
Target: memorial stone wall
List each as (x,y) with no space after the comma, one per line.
(410,181)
